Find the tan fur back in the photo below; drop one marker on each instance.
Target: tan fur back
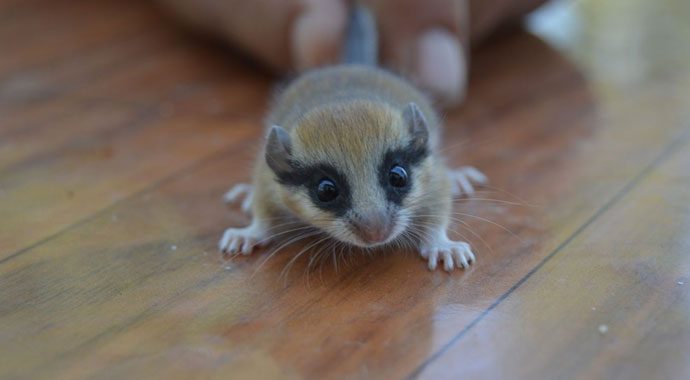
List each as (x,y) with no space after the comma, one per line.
(344,84)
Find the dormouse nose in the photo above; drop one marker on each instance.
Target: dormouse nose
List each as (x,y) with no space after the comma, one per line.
(372,226)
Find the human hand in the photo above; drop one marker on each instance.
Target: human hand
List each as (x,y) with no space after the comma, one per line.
(425,41)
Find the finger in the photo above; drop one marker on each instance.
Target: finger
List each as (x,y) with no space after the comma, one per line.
(441,66)
(318,33)
(425,41)
(285,34)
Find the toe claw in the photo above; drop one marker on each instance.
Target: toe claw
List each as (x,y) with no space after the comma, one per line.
(243,192)
(461,260)
(476,175)
(447,261)
(452,253)
(246,205)
(424,253)
(433,259)
(461,180)
(242,240)
(236,192)
(465,184)
(223,244)
(233,246)
(247,246)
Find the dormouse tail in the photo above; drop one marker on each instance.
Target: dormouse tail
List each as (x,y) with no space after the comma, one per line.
(361,40)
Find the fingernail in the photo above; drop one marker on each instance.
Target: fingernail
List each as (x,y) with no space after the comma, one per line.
(441,65)
(317,33)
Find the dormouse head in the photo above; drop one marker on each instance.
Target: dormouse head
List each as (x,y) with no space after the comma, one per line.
(353,170)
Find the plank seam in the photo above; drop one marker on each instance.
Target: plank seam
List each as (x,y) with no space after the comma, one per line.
(666,154)
(173,176)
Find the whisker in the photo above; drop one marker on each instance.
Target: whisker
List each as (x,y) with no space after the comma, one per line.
(292,261)
(323,255)
(455,231)
(268,238)
(474,143)
(466,226)
(314,256)
(288,242)
(490,222)
(489,200)
(508,193)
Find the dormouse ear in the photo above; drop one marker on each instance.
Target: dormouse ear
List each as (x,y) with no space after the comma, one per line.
(416,122)
(278,150)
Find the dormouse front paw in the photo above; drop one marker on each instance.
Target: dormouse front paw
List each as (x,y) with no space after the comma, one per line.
(242,240)
(452,253)
(242,194)
(461,180)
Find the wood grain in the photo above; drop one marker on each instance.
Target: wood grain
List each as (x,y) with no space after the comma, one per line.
(117,114)
(612,303)
(114,161)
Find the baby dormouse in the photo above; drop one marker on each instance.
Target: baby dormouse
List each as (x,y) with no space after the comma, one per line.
(352,151)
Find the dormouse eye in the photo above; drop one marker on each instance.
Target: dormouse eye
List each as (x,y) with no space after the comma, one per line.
(326,191)
(397,176)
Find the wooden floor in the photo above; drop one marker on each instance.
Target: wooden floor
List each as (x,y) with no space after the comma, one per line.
(120,132)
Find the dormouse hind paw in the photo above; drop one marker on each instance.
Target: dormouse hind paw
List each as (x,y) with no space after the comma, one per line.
(242,194)
(461,180)
(452,253)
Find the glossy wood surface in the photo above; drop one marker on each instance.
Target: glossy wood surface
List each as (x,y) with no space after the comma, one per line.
(119,133)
